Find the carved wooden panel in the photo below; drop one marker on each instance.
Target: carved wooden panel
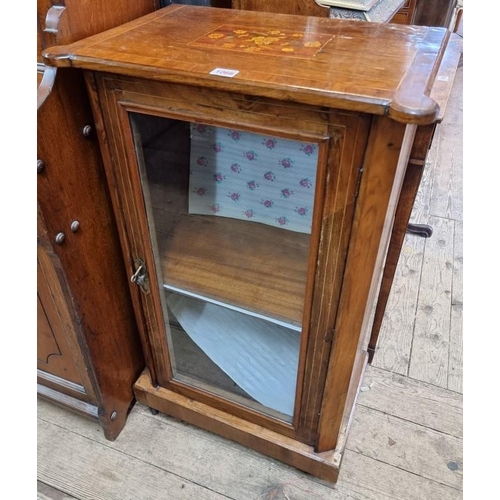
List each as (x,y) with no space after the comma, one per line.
(54,318)
(46,341)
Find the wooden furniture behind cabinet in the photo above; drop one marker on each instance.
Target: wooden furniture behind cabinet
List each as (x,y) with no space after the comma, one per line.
(397,11)
(432,13)
(405,14)
(436,16)
(88,349)
(255,164)
(308,8)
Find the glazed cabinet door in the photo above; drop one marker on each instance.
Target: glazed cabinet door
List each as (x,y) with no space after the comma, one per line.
(235,214)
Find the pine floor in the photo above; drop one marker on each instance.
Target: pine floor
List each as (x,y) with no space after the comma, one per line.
(406,438)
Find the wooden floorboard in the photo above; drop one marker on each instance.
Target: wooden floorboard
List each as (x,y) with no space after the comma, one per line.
(406,437)
(397,329)
(419,450)
(431,338)
(155,456)
(423,404)
(455,372)
(421,334)
(46,492)
(447,153)
(72,463)
(371,479)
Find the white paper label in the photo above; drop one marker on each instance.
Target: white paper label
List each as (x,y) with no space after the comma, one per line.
(228,73)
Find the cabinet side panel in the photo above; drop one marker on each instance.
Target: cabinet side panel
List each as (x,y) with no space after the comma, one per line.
(376,189)
(52,349)
(349,135)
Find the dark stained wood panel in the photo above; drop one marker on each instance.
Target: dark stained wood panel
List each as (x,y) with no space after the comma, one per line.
(308,8)
(432,13)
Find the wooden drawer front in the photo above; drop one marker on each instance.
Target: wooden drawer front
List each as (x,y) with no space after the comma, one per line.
(405,14)
(400,18)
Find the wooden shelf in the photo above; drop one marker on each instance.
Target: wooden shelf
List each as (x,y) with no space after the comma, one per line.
(253,266)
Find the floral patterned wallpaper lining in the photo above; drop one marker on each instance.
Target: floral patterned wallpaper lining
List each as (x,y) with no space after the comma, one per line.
(252,177)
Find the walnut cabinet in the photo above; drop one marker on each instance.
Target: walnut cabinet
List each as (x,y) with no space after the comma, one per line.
(254,163)
(88,348)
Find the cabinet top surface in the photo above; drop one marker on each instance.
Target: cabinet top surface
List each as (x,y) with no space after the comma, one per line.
(368,67)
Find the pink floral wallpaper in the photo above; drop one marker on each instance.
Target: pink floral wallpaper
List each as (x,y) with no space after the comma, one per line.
(252,177)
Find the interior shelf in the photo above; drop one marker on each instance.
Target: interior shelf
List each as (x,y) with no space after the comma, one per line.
(268,278)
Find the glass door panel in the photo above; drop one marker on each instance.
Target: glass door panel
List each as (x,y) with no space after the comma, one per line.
(230,215)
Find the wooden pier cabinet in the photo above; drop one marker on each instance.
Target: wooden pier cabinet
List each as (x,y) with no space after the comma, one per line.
(88,347)
(255,163)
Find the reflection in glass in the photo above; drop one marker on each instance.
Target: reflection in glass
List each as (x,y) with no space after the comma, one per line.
(230,214)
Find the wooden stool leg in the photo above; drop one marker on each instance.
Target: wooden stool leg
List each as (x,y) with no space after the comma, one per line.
(458,19)
(411,183)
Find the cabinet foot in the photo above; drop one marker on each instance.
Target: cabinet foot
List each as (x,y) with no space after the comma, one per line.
(154,411)
(324,465)
(420,230)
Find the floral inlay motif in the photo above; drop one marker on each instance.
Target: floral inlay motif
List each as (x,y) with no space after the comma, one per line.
(265,41)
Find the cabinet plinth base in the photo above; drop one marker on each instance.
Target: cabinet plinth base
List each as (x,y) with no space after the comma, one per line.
(323,465)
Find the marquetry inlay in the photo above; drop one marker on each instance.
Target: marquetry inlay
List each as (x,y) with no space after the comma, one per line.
(267,41)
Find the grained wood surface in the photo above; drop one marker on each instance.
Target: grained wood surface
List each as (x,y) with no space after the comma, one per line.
(413,177)
(396,415)
(336,63)
(373,467)
(273,274)
(46,492)
(70,20)
(70,188)
(407,446)
(429,357)
(283,7)
(413,401)
(342,155)
(84,297)
(374,211)
(397,455)
(405,442)
(455,368)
